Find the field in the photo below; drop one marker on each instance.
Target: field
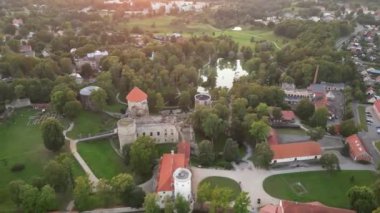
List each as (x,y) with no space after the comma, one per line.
(22,143)
(223,182)
(170,24)
(101,158)
(291,131)
(89,123)
(377,144)
(317,186)
(362,117)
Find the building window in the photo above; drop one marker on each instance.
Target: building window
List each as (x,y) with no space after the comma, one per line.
(158,133)
(166,134)
(295,159)
(275,161)
(316,157)
(151,133)
(172,133)
(143,133)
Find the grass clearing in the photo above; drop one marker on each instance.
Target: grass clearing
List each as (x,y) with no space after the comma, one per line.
(377,145)
(115,107)
(90,123)
(317,186)
(222,182)
(291,131)
(101,158)
(363,117)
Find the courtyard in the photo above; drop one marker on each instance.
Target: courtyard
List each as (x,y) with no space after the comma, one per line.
(223,182)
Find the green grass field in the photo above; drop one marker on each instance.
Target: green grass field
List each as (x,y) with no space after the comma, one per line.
(165,24)
(291,131)
(362,116)
(115,107)
(89,123)
(101,158)
(223,182)
(22,143)
(317,186)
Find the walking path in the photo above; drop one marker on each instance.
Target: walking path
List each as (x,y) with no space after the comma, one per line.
(120,101)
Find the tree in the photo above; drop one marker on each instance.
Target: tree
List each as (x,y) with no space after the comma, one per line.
(160,103)
(204,192)
(47,200)
(305,109)
(15,191)
(122,183)
(150,204)
(82,193)
(135,198)
(329,161)
(213,126)
(72,109)
(87,71)
(98,98)
(231,150)
(376,190)
(319,118)
(143,152)
(66,65)
(361,199)
(61,95)
(19,91)
(220,199)
(263,155)
(259,131)
(29,196)
(348,128)
(52,134)
(56,175)
(206,153)
(105,193)
(181,204)
(276,113)
(316,133)
(184,101)
(126,153)
(262,110)
(169,205)
(242,203)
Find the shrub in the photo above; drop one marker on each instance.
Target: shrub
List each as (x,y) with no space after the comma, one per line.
(18,167)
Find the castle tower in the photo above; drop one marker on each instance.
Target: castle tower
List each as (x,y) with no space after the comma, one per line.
(182,183)
(137,103)
(202,99)
(126,130)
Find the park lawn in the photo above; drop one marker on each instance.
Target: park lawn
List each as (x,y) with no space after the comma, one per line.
(101,158)
(363,117)
(329,189)
(222,182)
(90,123)
(115,107)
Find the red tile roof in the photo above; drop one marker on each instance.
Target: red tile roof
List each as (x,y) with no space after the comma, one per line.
(136,95)
(184,148)
(320,100)
(273,137)
(288,115)
(357,150)
(168,164)
(293,150)
(376,105)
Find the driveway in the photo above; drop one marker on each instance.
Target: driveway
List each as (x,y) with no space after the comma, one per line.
(251,179)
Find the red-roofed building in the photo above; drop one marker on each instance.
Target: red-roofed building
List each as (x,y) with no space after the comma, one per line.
(290,152)
(357,150)
(288,116)
(137,103)
(296,207)
(173,177)
(376,108)
(320,100)
(184,148)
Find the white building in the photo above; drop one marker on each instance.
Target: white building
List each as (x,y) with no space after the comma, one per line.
(137,103)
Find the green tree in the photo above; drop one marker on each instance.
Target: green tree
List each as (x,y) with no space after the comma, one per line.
(262,109)
(46,200)
(361,199)
(305,109)
(105,193)
(259,131)
(169,205)
(184,101)
(376,190)
(242,203)
(56,175)
(122,183)
(263,155)
(320,117)
(87,71)
(204,192)
(143,152)
(150,204)
(181,204)
(98,98)
(29,196)
(239,107)
(135,198)
(316,133)
(15,191)
(206,153)
(276,113)
(19,91)
(220,199)
(160,103)
(82,193)
(330,162)
(213,126)
(231,150)
(52,134)
(348,128)
(66,65)
(72,109)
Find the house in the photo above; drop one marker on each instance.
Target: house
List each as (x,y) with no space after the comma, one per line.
(174,177)
(291,152)
(293,96)
(137,103)
(376,108)
(17,22)
(357,150)
(27,51)
(288,116)
(295,207)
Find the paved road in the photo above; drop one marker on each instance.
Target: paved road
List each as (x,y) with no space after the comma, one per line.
(251,179)
(339,43)
(368,137)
